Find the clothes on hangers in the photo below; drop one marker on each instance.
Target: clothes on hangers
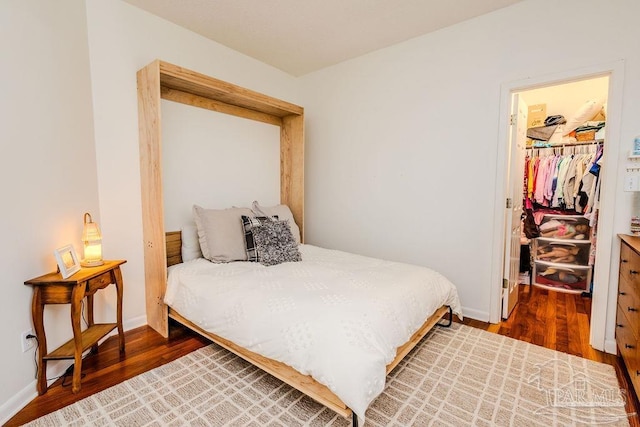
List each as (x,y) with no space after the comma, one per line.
(563,178)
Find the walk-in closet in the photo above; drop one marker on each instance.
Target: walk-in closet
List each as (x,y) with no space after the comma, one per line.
(565,145)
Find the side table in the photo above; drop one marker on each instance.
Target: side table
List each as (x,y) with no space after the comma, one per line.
(53,289)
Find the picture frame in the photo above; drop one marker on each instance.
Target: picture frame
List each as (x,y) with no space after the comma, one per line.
(67,260)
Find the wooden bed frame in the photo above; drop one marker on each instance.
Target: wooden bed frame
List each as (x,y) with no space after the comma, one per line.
(304,383)
(160,80)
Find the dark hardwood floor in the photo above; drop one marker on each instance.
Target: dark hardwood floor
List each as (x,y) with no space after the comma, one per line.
(551,319)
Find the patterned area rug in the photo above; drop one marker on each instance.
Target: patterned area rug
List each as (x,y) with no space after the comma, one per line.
(455,377)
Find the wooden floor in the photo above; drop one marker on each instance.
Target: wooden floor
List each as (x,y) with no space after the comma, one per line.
(551,319)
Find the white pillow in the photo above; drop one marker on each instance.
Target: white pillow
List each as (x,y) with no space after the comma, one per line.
(190,245)
(584,114)
(282,212)
(220,233)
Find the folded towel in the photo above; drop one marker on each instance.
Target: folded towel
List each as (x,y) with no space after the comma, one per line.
(541,133)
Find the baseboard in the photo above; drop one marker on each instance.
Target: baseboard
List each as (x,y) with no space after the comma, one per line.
(136,322)
(55,369)
(475,314)
(17,402)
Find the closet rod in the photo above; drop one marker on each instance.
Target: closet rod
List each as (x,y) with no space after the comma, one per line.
(547,145)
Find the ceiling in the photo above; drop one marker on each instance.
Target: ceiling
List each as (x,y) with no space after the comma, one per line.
(302,36)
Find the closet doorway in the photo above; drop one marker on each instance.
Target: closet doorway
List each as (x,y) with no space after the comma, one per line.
(553,180)
(574,264)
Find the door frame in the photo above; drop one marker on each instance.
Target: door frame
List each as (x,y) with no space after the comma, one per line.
(602,330)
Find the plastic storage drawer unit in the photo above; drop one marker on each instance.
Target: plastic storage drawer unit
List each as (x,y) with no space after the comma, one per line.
(562,251)
(569,278)
(574,227)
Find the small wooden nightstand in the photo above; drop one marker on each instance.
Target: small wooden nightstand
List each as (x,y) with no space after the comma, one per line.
(53,289)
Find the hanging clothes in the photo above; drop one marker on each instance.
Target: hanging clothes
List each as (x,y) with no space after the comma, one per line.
(564,181)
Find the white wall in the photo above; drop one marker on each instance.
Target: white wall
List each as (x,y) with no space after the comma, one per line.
(402,143)
(47,169)
(216,161)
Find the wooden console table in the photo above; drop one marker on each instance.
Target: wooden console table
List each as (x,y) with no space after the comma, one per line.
(53,289)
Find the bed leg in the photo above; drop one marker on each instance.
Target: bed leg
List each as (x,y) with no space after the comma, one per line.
(354,419)
(450,322)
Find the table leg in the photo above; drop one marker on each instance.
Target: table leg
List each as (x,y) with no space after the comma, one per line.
(90,321)
(37,314)
(118,282)
(76,306)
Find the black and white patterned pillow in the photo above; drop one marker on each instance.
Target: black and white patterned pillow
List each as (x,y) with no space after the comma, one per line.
(275,243)
(248,224)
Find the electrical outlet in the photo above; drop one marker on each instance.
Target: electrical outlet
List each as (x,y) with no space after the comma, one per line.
(27,343)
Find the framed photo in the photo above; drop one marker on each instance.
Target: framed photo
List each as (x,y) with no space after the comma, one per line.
(67,260)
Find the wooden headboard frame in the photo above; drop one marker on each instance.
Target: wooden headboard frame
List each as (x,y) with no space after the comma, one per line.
(160,80)
(174,247)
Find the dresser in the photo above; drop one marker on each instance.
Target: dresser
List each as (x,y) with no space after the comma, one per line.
(628,309)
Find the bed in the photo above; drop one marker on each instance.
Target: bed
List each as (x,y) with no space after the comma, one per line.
(160,80)
(297,320)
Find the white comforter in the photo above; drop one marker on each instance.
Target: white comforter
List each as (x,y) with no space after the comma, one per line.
(335,316)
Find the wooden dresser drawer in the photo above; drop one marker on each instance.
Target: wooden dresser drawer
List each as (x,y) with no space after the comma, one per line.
(629,303)
(630,265)
(627,343)
(628,316)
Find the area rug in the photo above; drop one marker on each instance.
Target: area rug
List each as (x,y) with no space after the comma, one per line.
(457,376)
